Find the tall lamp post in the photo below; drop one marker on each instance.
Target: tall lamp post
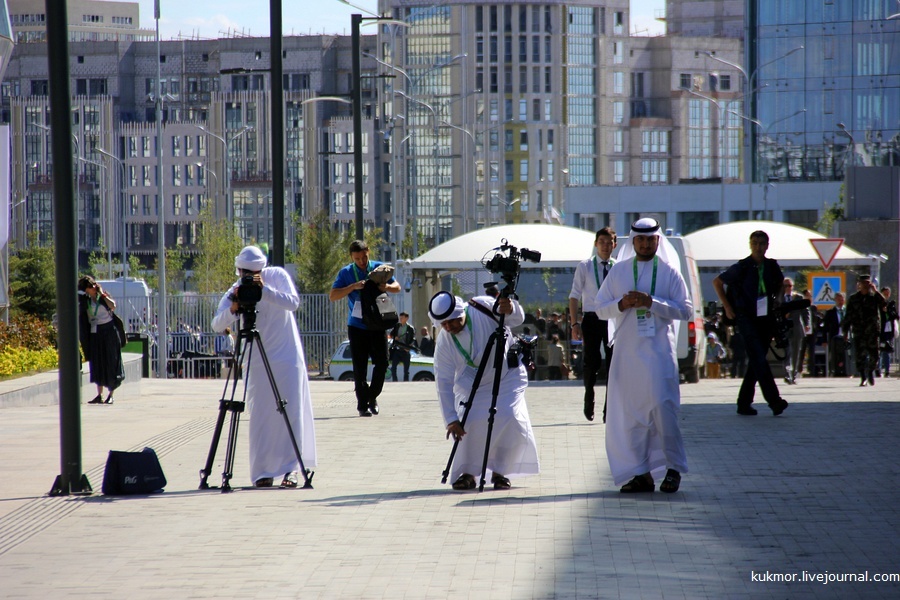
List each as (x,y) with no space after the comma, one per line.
(161,318)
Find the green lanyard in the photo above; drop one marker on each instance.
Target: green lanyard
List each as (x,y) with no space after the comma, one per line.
(653,280)
(356,270)
(762,284)
(95,306)
(466,355)
(610,263)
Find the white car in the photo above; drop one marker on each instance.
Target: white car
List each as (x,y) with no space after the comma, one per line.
(421,368)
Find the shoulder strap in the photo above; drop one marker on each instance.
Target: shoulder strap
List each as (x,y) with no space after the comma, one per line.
(483,309)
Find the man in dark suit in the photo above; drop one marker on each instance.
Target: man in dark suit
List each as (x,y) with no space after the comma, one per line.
(793,359)
(834,337)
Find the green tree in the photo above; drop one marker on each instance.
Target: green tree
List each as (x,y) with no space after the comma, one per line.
(217,245)
(406,246)
(321,252)
(32,280)
(175,274)
(97,261)
(831,215)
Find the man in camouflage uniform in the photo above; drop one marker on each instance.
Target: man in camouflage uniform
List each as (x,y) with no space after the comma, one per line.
(864,320)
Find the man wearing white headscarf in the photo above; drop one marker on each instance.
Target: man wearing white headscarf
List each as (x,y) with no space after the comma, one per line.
(271,449)
(459,348)
(644,296)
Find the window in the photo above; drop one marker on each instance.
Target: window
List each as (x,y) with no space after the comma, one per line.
(685,81)
(176,175)
(618,141)
(618,23)
(618,112)
(618,171)
(618,53)
(725,82)
(508,171)
(176,145)
(523,140)
(618,82)
(523,110)
(523,170)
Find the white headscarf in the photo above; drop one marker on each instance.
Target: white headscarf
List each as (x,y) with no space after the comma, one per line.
(650,226)
(443,306)
(251,258)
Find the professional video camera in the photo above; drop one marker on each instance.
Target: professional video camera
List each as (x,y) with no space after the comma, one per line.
(507,259)
(248,293)
(783,325)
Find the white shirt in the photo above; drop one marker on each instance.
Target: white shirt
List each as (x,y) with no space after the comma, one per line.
(585,284)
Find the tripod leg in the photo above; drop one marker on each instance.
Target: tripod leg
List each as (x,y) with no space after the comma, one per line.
(468,403)
(280,407)
(224,407)
(236,407)
(495,391)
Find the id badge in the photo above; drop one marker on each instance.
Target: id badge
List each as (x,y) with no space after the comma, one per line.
(645,324)
(357,310)
(762,306)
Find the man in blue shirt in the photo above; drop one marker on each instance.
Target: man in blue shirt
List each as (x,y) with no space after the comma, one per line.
(364,342)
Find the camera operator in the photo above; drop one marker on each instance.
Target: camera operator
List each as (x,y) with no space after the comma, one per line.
(271,448)
(465,330)
(754,287)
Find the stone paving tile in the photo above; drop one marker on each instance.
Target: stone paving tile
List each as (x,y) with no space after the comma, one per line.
(809,491)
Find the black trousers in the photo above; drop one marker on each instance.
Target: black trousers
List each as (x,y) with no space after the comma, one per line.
(366,344)
(757,333)
(400,357)
(594,333)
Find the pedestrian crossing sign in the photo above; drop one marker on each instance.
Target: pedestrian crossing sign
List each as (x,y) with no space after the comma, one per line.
(824,286)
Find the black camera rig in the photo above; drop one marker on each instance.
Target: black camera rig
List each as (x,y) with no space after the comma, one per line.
(506,262)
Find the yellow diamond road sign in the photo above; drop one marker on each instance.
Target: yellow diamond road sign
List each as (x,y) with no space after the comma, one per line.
(827,249)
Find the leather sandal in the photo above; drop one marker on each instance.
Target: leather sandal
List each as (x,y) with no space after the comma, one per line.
(264,482)
(465,482)
(639,484)
(671,482)
(500,482)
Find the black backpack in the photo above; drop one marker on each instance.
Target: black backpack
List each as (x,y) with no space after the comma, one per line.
(378,310)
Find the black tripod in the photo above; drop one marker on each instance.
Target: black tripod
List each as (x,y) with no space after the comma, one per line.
(498,338)
(236,407)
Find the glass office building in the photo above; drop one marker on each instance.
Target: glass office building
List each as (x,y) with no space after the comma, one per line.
(833,104)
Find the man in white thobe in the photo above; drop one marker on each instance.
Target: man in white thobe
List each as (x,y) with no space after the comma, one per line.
(643,295)
(271,449)
(460,345)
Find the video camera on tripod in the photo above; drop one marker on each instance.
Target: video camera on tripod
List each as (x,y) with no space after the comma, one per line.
(506,263)
(247,295)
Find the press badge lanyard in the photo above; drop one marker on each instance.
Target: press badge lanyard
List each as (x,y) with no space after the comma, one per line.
(466,355)
(357,305)
(356,270)
(609,264)
(762,303)
(645,324)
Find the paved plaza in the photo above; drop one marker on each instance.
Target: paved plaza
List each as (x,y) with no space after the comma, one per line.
(813,493)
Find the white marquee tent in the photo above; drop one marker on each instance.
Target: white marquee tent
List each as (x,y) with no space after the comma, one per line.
(723,245)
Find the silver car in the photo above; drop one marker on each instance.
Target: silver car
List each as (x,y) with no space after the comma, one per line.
(421,368)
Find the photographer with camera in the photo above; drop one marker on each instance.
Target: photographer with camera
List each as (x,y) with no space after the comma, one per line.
(754,289)
(464,332)
(267,299)
(863,326)
(365,343)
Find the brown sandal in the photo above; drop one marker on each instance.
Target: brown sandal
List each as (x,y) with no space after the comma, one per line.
(500,482)
(639,484)
(671,482)
(465,482)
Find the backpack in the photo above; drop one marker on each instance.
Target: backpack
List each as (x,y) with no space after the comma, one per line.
(378,310)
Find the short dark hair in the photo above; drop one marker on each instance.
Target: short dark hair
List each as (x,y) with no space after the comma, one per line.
(358,246)
(86,282)
(759,233)
(404,314)
(606,231)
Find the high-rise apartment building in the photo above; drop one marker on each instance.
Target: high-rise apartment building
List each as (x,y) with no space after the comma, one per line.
(89,21)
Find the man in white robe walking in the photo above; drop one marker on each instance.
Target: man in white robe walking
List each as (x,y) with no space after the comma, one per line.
(271,449)
(643,296)
(460,345)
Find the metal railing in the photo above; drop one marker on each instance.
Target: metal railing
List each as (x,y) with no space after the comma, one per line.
(322,325)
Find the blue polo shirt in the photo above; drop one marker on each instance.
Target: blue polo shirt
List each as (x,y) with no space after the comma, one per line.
(351,274)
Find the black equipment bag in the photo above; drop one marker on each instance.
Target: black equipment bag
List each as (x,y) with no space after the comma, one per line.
(133,473)
(378,310)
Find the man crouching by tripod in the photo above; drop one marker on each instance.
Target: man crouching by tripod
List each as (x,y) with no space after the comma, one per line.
(459,349)
(271,449)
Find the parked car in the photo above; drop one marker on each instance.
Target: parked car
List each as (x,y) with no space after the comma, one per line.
(421,368)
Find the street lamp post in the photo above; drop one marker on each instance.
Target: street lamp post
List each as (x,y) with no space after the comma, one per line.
(229,203)
(161,318)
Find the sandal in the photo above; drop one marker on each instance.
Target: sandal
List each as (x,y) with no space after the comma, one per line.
(264,482)
(465,482)
(500,482)
(638,484)
(671,482)
(289,481)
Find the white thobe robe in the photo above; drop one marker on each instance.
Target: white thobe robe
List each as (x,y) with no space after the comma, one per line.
(513,451)
(642,433)
(271,451)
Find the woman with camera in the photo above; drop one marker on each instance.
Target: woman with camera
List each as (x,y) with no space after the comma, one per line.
(99,338)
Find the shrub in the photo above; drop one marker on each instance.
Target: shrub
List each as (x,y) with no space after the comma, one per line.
(16,361)
(27,344)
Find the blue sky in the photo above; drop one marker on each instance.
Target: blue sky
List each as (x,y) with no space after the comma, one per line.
(217,18)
